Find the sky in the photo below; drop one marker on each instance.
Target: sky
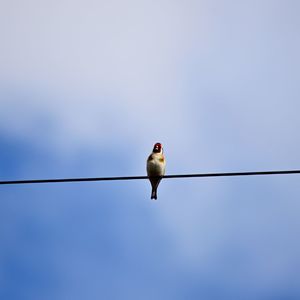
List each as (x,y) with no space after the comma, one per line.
(87,88)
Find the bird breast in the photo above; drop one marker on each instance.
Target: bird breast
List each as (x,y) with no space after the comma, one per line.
(156,165)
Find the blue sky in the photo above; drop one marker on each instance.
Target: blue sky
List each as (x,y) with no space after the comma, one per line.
(87,88)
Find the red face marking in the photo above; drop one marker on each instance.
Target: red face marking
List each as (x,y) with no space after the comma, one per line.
(157,148)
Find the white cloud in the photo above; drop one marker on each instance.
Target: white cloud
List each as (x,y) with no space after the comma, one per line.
(110,70)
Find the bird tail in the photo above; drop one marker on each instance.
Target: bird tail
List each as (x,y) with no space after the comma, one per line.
(154,183)
(154,194)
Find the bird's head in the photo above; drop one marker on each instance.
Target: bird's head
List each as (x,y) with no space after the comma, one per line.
(157,148)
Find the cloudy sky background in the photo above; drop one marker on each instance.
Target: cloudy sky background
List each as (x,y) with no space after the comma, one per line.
(87,87)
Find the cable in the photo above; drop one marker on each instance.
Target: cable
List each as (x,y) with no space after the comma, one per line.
(146,177)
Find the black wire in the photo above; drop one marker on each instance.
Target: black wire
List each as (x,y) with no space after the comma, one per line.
(146,177)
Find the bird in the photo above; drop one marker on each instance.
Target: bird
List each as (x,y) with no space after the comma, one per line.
(156,165)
